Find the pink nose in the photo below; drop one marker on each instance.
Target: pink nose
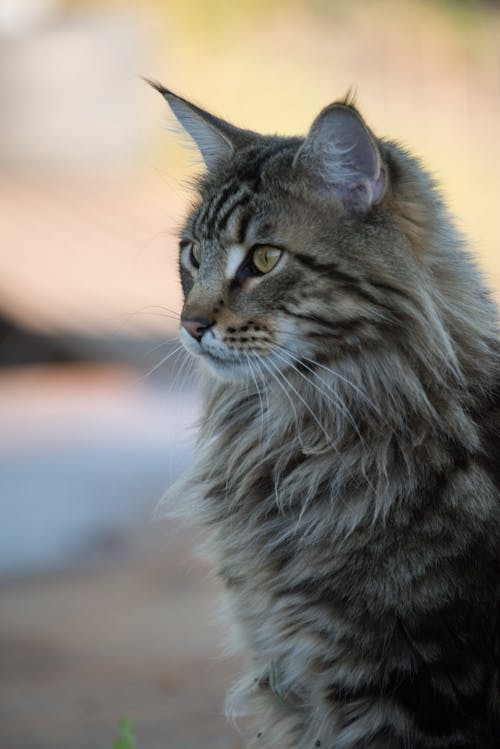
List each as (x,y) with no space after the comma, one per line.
(195,328)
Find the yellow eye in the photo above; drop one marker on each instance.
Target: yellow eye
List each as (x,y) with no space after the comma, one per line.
(195,254)
(265,258)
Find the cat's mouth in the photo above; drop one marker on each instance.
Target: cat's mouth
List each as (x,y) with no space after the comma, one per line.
(226,363)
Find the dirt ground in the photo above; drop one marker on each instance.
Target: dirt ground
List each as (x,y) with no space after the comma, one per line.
(133,637)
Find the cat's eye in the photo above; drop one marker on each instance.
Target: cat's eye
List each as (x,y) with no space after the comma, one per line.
(265,258)
(195,254)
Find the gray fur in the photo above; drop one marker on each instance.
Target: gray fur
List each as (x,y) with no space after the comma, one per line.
(347,461)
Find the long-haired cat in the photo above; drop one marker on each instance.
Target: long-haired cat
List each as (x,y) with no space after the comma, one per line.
(348,458)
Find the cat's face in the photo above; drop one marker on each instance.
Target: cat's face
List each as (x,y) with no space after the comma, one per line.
(247,259)
(242,275)
(280,259)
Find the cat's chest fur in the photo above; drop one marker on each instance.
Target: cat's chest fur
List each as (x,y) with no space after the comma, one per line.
(293,517)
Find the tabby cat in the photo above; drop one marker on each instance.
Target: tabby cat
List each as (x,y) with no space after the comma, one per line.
(348,457)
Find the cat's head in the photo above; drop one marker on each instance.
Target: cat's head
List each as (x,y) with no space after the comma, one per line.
(291,251)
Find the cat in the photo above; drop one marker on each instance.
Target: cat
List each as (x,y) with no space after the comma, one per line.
(348,457)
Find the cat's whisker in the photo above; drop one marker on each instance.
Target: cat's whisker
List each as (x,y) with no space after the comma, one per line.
(214,426)
(183,371)
(290,399)
(264,383)
(160,313)
(357,389)
(149,309)
(318,422)
(265,455)
(254,378)
(217,423)
(303,358)
(155,348)
(318,390)
(163,308)
(162,361)
(336,401)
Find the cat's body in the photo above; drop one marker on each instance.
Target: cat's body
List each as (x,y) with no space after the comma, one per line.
(348,460)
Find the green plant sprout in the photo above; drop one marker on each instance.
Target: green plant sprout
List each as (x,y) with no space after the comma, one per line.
(126,737)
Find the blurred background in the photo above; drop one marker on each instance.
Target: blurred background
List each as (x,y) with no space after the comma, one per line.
(105,612)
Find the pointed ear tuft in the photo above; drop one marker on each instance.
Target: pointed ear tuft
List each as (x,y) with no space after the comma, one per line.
(215,138)
(342,155)
(350,98)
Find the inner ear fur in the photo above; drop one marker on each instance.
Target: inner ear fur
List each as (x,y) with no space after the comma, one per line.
(215,138)
(341,154)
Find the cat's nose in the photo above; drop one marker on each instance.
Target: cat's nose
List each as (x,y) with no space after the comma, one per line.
(195,328)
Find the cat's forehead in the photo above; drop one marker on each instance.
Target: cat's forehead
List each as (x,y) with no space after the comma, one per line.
(244,202)
(236,217)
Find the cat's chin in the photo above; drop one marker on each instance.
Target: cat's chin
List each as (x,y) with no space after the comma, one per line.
(229,370)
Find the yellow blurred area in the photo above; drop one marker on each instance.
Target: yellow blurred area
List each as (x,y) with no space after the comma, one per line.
(425,73)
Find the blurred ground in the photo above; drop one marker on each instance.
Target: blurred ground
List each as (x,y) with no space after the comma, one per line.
(80,650)
(105,611)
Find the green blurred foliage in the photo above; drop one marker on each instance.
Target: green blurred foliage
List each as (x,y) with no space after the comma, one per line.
(126,738)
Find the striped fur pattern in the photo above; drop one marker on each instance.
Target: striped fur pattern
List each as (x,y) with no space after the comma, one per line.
(348,457)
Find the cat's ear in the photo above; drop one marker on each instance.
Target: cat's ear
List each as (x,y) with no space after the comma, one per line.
(216,139)
(342,155)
